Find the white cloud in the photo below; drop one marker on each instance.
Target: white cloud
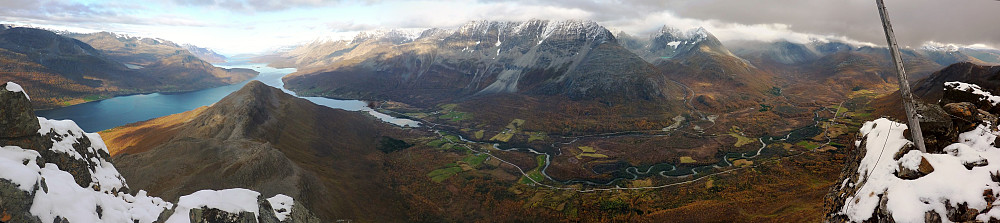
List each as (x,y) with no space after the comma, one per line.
(727,31)
(250,26)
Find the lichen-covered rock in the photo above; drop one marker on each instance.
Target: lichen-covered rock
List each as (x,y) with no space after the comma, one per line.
(958,92)
(212,215)
(923,169)
(301,214)
(15,204)
(937,127)
(17,119)
(18,125)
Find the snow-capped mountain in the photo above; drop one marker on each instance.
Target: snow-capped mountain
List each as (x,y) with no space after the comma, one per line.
(490,56)
(393,36)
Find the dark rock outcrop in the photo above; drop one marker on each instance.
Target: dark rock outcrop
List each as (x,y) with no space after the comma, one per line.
(931,88)
(17,119)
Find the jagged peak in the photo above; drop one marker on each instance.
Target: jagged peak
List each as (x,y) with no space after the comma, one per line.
(396,36)
(939,47)
(590,29)
(124,37)
(675,34)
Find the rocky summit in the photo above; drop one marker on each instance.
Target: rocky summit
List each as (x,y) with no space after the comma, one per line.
(55,172)
(887,180)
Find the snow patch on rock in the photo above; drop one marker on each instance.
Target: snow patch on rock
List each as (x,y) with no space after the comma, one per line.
(14,87)
(975,89)
(234,200)
(282,206)
(19,166)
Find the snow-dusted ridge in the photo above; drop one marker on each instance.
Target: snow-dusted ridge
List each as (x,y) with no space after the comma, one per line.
(951,47)
(45,183)
(974,89)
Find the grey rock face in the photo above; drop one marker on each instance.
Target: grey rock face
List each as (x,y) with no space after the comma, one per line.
(212,215)
(15,204)
(17,119)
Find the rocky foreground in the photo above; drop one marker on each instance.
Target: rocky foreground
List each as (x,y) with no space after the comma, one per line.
(956,180)
(52,171)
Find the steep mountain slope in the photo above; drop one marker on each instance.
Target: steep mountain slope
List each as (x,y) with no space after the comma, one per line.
(55,172)
(206,54)
(948,56)
(266,140)
(832,71)
(720,80)
(53,67)
(61,71)
(173,65)
(575,62)
(985,55)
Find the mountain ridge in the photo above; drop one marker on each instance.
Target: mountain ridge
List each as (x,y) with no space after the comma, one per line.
(62,71)
(263,139)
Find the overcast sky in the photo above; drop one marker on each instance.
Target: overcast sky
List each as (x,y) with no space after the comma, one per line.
(253,26)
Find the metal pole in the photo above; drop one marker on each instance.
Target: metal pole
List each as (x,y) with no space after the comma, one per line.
(913,121)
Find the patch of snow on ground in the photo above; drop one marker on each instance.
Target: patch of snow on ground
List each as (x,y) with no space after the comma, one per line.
(14,87)
(62,197)
(975,89)
(282,206)
(67,129)
(674,44)
(18,165)
(234,200)
(950,183)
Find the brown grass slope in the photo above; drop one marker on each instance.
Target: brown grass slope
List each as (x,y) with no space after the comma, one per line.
(263,139)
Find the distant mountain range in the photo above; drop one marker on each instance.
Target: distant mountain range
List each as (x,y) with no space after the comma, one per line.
(572,77)
(489,66)
(206,54)
(74,68)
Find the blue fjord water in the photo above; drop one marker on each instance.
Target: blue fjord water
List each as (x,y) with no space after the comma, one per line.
(105,114)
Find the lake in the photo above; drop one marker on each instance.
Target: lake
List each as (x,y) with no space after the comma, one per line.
(105,114)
